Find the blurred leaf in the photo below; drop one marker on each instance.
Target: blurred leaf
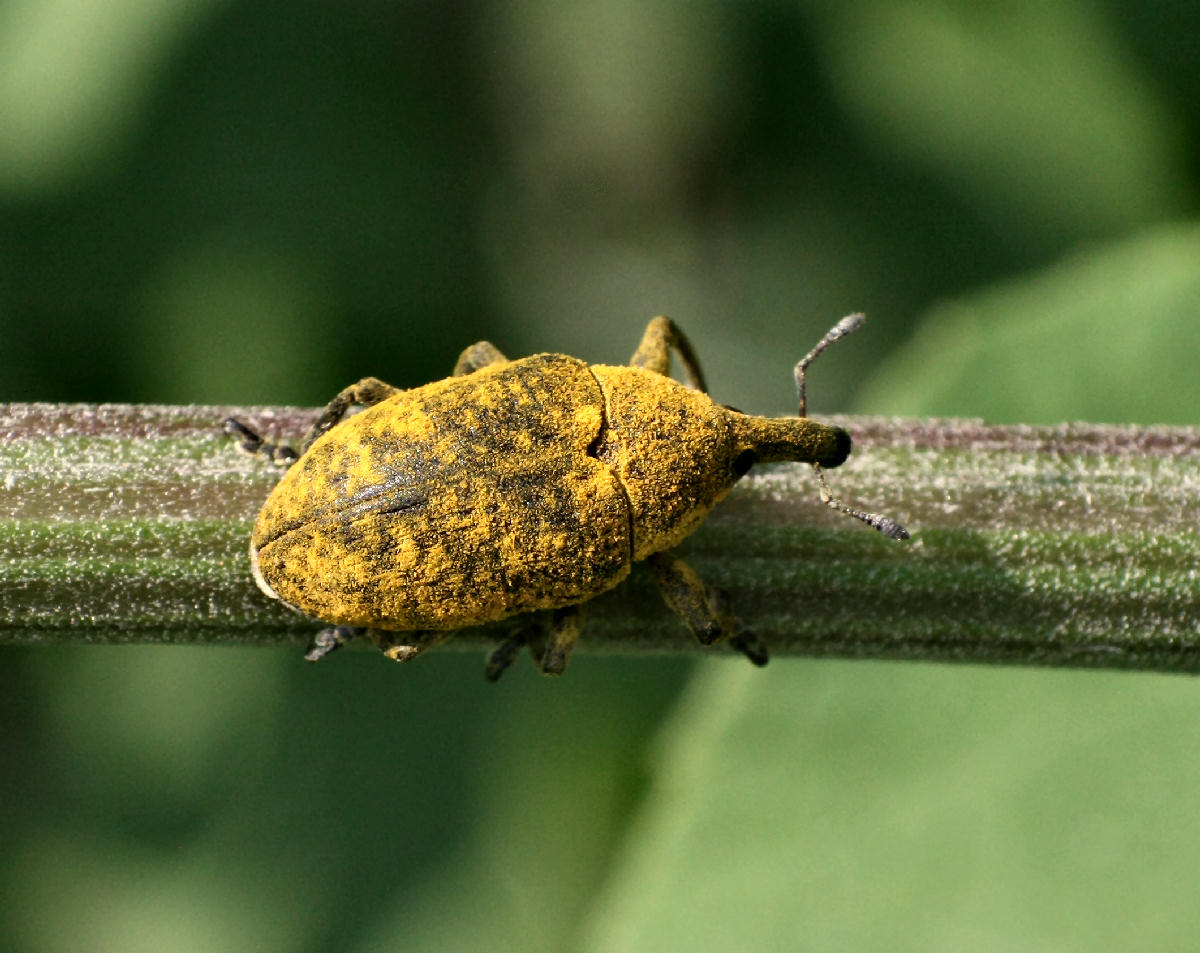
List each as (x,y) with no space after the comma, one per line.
(1034,111)
(1108,334)
(864,807)
(548,816)
(603,103)
(231,317)
(75,77)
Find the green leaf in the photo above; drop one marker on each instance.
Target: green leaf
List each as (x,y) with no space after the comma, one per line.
(852,806)
(1110,334)
(1033,113)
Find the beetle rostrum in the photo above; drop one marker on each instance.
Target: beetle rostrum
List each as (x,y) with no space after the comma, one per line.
(517,489)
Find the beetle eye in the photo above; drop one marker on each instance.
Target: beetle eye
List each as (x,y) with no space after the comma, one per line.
(743,462)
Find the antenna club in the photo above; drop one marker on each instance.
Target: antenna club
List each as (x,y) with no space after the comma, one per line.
(848,324)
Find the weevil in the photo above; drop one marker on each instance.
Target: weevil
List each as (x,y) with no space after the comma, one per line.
(518,488)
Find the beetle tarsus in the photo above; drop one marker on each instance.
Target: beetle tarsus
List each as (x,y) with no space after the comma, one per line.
(554,662)
(502,656)
(252,442)
(565,625)
(704,610)
(406,646)
(330,639)
(749,645)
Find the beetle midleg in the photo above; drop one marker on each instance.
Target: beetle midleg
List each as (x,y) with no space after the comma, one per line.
(527,631)
(403,646)
(480,354)
(565,625)
(654,353)
(504,654)
(702,609)
(368,391)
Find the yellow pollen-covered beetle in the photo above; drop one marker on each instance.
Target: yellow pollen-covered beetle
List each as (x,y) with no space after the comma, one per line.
(516,487)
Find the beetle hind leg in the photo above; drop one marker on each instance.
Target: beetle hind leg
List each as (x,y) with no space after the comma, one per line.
(252,442)
(703,610)
(550,642)
(663,337)
(367,392)
(478,355)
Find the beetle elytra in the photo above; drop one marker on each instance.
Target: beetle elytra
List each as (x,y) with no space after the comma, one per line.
(518,489)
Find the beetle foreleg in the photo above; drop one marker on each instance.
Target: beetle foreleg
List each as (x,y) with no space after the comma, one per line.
(368,391)
(742,638)
(687,595)
(702,609)
(480,354)
(654,353)
(749,645)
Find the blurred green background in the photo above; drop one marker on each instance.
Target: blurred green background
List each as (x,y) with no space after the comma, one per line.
(212,201)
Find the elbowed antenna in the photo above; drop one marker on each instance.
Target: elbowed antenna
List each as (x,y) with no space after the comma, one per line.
(848,324)
(885,524)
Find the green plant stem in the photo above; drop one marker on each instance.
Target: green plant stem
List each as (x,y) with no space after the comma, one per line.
(1074,545)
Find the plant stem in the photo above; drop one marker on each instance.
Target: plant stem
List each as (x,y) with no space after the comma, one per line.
(1073,545)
